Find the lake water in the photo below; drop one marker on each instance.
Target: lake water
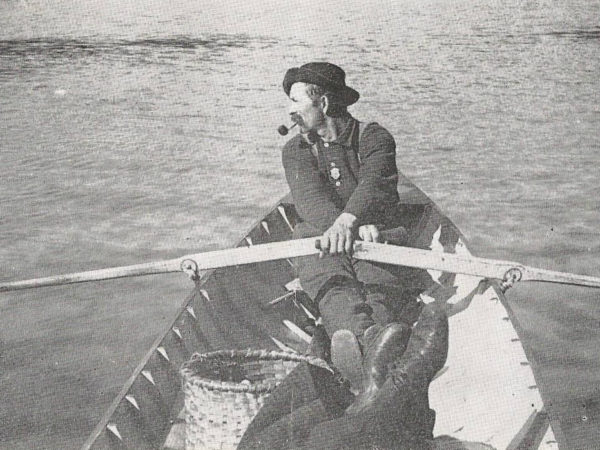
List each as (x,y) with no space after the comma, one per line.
(133,131)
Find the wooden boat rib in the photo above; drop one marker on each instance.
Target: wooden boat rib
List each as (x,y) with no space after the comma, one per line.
(486,393)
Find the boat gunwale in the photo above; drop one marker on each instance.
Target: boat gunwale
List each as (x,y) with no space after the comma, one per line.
(553,418)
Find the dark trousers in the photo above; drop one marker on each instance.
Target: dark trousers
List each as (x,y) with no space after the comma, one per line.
(354,294)
(308,409)
(308,396)
(306,412)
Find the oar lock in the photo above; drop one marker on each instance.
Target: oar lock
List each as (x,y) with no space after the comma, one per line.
(190,267)
(511,276)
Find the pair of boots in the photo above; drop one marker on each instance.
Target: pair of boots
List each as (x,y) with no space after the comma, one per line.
(409,357)
(366,366)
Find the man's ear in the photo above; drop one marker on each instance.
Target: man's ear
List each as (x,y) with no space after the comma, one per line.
(324,103)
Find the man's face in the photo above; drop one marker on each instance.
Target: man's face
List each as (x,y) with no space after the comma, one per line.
(303,110)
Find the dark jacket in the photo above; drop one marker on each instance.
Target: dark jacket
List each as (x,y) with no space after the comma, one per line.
(347,176)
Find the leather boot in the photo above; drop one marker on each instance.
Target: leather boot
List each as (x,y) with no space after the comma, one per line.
(426,351)
(383,346)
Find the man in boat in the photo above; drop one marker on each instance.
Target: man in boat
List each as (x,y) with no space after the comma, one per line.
(343,179)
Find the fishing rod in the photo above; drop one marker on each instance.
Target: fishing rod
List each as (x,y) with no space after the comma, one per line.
(193,264)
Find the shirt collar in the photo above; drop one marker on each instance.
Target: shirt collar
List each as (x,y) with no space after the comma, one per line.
(347,136)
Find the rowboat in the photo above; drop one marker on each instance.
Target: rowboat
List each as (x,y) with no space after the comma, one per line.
(485,394)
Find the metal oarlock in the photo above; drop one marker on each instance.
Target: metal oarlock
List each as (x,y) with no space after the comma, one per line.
(190,267)
(510,278)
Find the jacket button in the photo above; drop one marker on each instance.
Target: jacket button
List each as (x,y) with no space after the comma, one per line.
(338,183)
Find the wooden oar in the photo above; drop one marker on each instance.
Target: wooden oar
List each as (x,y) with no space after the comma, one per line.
(382,253)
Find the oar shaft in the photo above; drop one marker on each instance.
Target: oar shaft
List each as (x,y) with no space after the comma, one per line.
(427,259)
(92,275)
(535,274)
(254,254)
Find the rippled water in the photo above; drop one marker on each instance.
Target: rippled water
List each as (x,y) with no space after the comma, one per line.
(134,131)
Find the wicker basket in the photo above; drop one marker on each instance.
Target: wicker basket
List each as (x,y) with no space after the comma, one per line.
(225,389)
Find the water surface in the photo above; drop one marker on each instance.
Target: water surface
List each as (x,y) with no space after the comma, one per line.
(136,131)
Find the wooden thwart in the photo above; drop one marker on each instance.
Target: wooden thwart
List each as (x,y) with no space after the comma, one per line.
(382,253)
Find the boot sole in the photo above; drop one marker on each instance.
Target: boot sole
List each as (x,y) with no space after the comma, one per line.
(347,358)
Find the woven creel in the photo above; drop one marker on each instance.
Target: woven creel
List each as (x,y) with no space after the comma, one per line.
(225,389)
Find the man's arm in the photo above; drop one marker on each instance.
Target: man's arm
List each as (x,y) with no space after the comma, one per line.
(378,177)
(376,191)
